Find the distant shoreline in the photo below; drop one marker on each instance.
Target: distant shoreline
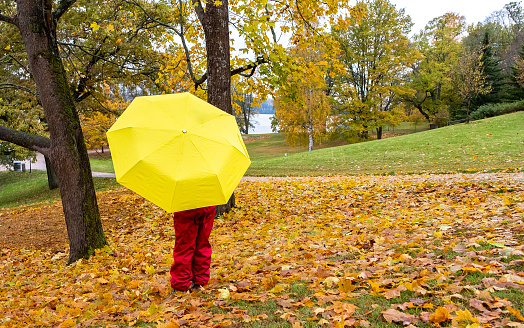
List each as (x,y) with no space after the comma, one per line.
(262,123)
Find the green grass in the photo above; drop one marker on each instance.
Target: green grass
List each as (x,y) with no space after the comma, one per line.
(101,162)
(492,145)
(102,165)
(274,144)
(22,188)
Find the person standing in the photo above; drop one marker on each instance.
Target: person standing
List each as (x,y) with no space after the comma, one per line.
(192,251)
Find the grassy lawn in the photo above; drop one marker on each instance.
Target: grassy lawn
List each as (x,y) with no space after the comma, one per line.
(22,188)
(101,162)
(491,145)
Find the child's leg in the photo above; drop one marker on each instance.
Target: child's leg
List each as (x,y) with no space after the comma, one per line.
(186,230)
(202,258)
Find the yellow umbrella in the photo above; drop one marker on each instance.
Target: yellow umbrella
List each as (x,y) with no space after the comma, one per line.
(178,151)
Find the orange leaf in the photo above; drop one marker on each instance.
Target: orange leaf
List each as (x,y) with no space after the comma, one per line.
(516,313)
(441,314)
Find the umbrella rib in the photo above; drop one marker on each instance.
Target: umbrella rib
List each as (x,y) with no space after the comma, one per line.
(225,143)
(178,173)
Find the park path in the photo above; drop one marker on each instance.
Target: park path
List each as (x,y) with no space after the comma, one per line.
(452,177)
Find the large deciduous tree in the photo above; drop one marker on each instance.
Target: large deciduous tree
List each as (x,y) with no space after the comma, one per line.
(440,44)
(302,107)
(376,53)
(37,23)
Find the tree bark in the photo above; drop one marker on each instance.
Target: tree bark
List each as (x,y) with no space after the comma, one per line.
(310,135)
(379,133)
(67,151)
(215,22)
(421,111)
(52,180)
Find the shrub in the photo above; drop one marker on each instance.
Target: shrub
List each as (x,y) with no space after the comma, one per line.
(491,110)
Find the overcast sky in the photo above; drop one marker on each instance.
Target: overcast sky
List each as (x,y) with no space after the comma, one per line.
(421,12)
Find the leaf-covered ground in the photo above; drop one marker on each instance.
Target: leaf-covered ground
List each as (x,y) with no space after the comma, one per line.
(414,251)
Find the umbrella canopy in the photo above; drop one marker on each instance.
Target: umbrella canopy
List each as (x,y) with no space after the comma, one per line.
(178,151)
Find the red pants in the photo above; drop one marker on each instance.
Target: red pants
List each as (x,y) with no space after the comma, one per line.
(192,253)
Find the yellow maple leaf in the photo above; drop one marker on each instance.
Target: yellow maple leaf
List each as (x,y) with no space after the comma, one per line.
(465,316)
(375,286)
(346,286)
(441,314)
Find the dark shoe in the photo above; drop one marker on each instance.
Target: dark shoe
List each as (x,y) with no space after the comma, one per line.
(196,288)
(178,293)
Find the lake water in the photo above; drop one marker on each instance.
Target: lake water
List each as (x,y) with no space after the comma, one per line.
(262,123)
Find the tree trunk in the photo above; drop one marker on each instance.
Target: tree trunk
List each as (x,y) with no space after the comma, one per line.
(310,135)
(221,209)
(67,152)
(467,112)
(52,180)
(246,118)
(216,29)
(379,133)
(215,22)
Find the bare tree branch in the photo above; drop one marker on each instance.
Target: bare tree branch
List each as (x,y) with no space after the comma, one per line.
(180,34)
(63,6)
(23,67)
(8,19)
(271,27)
(168,26)
(18,87)
(253,66)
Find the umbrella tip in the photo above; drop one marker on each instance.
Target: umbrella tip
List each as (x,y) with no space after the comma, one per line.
(184,131)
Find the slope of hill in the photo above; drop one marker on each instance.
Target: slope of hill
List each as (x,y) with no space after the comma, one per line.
(491,144)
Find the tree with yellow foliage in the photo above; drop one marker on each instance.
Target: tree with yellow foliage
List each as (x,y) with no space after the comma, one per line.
(302,108)
(96,124)
(376,53)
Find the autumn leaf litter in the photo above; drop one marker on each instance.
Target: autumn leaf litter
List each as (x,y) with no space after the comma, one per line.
(333,251)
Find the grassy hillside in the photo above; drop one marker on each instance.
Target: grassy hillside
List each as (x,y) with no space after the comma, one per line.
(491,144)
